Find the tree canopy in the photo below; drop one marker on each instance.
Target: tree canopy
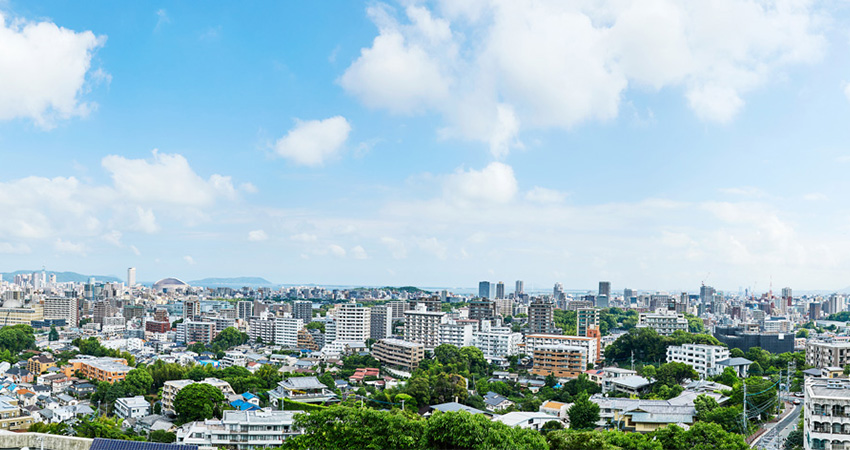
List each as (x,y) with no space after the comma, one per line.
(198,401)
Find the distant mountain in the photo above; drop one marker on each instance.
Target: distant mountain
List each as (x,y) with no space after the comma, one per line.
(235,282)
(64,277)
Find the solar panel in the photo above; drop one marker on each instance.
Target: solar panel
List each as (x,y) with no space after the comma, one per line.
(115,444)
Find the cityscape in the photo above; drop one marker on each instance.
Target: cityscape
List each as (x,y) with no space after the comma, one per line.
(425,224)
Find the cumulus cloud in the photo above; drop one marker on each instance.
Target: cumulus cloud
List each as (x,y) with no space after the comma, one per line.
(358,252)
(43,70)
(257,236)
(395,246)
(493,184)
(314,142)
(543,195)
(189,260)
(336,250)
(493,68)
(63,246)
(10,248)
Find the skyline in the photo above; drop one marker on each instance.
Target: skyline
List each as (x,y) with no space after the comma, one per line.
(416,144)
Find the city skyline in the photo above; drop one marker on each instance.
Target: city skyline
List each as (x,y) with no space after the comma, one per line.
(398,144)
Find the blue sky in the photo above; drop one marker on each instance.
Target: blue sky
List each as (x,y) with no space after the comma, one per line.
(655,144)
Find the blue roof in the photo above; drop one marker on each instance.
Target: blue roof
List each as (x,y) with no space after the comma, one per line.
(248,395)
(242,405)
(115,444)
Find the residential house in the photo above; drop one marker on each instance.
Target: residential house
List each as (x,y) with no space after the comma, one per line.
(495,402)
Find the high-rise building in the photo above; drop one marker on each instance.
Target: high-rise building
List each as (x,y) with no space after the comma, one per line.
(286,331)
(423,327)
(500,290)
(541,316)
(824,417)
(605,288)
(191,331)
(482,310)
(160,315)
(191,309)
(303,309)
(244,309)
(131,277)
(484,289)
(381,322)
(62,308)
(353,322)
(602,301)
(586,318)
(520,288)
(558,291)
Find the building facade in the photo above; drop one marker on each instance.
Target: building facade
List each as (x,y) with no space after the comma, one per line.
(562,361)
(703,358)
(397,352)
(541,316)
(663,321)
(423,327)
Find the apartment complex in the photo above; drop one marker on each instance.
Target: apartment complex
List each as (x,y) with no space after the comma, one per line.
(38,364)
(13,418)
(241,430)
(423,327)
(826,414)
(458,332)
(541,316)
(171,388)
(562,361)
(191,331)
(396,352)
(586,318)
(827,354)
(703,358)
(496,342)
(100,369)
(592,344)
(381,323)
(663,321)
(353,322)
(62,308)
(286,331)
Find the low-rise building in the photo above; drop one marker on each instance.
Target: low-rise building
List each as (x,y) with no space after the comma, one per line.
(825,354)
(592,344)
(12,417)
(632,385)
(496,402)
(241,430)
(826,414)
(663,321)
(100,369)
(396,352)
(38,364)
(562,361)
(132,407)
(172,387)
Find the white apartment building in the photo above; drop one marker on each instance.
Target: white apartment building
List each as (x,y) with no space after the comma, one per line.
(532,341)
(262,330)
(286,331)
(132,407)
(703,358)
(62,308)
(459,334)
(826,419)
(496,342)
(171,388)
(663,321)
(242,430)
(423,327)
(233,359)
(353,323)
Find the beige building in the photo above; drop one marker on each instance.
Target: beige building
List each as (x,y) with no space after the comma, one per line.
(100,369)
(827,354)
(562,361)
(396,352)
(18,316)
(423,327)
(11,416)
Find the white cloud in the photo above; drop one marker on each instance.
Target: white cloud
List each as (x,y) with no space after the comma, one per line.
(63,246)
(14,248)
(161,19)
(166,179)
(395,246)
(433,246)
(114,238)
(135,250)
(314,142)
(543,195)
(257,236)
(493,184)
(43,70)
(189,260)
(337,251)
(304,237)
(494,68)
(358,252)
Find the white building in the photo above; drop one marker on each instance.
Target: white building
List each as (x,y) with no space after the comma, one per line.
(703,358)
(457,333)
(261,330)
(826,409)
(590,343)
(423,327)
(132,407)
(286,331)
(663,321)
(496,342)
(62,308)
(353,323)
(241,430)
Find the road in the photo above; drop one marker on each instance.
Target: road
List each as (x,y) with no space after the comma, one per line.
(774,438)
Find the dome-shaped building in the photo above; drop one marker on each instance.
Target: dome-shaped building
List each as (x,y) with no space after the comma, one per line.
(169,285)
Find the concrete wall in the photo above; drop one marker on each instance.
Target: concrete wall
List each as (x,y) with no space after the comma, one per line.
(50,441)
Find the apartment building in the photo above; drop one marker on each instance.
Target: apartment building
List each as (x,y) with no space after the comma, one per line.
(132,407)
(496,342)
(171,388)
(38,364)
(302,309)
(241,430)
(100,369)
(286,331)
(663,321)
(353,322)
(261,330)
(381,323)
(423,326)
(703,358)
(191,331)
(826,414)
(12,417)
(397,352)
(586,318)
(541,316)
(592,344)
(62,308)
(458,332)
(827,354)
(562,361)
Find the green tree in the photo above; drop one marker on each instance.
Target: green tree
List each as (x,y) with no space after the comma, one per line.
(794,441)
(316,326)
(228,338)
(138,381)
(198,401)
(17,338)
(755,369)
(701,436)
(462,430)
(53,335)
(736,353)
(583,413)
(162,436)
(339,427)
(585,440)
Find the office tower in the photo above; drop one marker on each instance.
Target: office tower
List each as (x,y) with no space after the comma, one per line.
(245,309)
(62,308)
(520,288)
(191,310)
(500,290)
(558,291)
(482,310)
(706,294)
(303,309)
(444,295)
(541,316)
(131,277)
(484,289)
(381,322)
(659,301)
(605,288)
(423,327)
(602,301)
(353,322)
(586,318)
(786,300)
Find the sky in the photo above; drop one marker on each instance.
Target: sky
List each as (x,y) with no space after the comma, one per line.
(656,144)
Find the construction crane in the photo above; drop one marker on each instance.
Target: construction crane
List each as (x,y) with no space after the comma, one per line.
(705,278)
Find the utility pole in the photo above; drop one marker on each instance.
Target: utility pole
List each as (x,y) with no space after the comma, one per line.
(746,421)
(633,360)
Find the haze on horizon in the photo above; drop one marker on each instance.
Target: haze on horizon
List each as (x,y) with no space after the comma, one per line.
(648,143)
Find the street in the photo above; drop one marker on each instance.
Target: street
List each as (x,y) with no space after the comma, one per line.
(774,438)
